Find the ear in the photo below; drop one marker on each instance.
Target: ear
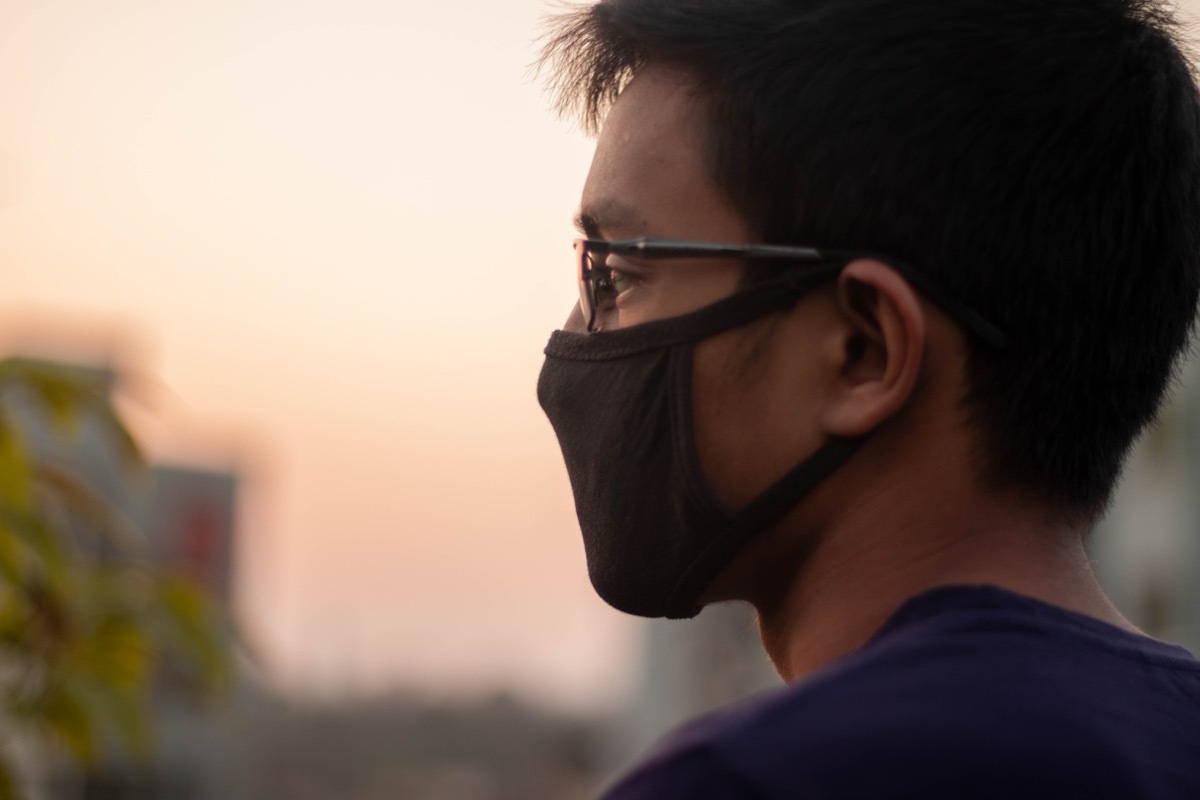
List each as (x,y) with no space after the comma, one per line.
(879,349)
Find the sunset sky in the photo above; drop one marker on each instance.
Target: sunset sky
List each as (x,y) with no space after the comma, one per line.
(327,242)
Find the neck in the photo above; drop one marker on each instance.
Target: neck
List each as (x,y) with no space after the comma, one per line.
(843,588)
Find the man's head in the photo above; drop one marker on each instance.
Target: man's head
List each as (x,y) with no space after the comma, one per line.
(1038,160)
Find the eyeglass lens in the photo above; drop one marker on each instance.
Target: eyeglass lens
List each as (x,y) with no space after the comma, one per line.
(595,283)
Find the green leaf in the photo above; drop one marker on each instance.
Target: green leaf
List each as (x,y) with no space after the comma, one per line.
(8,783)
(63,713)
(14,617)
(36,548)
(120,712)
(119,653)
(191,631)
(16,484)
(10,553)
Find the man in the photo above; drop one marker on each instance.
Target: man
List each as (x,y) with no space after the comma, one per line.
(875,297)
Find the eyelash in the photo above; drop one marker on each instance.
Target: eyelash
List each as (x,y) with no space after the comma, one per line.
(606,290)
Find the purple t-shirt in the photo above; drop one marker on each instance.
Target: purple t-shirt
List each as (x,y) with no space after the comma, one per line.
(970,693)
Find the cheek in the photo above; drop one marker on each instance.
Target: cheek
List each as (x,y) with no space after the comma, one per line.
(575,322)
(754,412)
(727,398)
(674,289)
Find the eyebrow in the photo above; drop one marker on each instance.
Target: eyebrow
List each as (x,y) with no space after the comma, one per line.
(610,216)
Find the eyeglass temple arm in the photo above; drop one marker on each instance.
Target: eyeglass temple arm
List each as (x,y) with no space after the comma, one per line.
(667,248)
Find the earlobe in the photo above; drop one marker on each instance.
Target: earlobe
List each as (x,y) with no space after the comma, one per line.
(882,346)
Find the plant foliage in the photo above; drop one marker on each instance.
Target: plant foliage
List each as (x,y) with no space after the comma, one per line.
(86,622)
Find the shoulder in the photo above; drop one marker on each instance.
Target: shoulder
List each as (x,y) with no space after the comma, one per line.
(695,770)
(1002,709)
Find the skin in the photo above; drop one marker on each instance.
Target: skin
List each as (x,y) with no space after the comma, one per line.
(863,354)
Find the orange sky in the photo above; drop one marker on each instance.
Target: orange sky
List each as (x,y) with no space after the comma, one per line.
(332,238)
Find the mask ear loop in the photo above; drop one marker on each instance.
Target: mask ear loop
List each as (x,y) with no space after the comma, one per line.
(768,508)
(683,439)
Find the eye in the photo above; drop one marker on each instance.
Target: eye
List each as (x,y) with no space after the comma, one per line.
(610,284)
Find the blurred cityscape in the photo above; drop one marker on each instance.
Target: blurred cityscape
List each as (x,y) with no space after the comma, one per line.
(258,743)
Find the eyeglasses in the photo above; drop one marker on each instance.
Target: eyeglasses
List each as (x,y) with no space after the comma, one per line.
(597,292)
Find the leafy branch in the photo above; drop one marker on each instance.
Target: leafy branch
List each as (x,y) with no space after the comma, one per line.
(86,622)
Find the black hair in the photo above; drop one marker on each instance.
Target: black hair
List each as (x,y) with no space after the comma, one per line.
(1039,160)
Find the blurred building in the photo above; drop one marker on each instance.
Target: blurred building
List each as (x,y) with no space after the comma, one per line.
(202,749)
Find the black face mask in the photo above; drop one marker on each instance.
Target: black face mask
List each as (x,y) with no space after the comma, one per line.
(620,403)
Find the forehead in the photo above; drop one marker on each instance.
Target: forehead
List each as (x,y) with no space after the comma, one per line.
(650,175)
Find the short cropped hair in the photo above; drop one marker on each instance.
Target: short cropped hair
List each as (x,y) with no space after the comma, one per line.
(1038,159)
